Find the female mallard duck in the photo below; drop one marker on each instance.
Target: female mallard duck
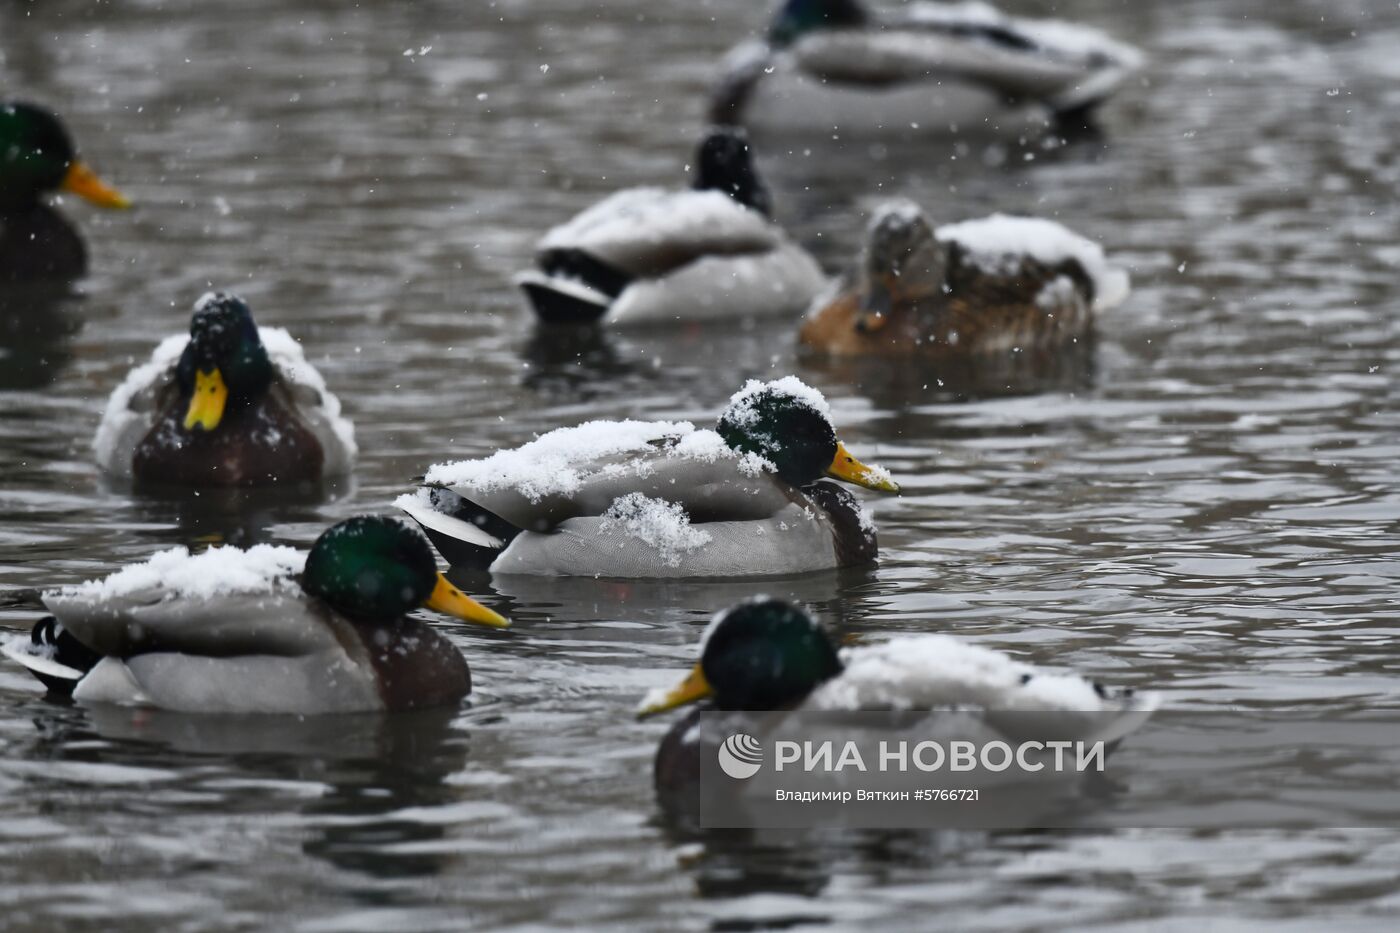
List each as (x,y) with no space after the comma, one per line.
(231,631)
(769,655)
(37,158)
(661,499)
(996,285)
(232,405)
(651,256)
(831,66)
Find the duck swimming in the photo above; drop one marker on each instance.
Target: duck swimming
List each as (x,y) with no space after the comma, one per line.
(231,405)
(997,285)
(266,630)
(37,158)
(833,66)
(769,655)
(652,256)
(662,499)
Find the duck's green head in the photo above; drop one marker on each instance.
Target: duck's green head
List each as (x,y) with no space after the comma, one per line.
(724,162)
(225,362)
(788,423)
(377,569)
(764,654)
(799,17)
(37,157)
(903,263)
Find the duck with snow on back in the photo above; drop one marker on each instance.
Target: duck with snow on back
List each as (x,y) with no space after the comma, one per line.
(835,68)
(998,285)
(231,405)
(768,655)
(651,256)
(662,499)
(266,630)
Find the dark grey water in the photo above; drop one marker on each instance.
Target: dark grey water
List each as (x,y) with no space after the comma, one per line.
(1214,512)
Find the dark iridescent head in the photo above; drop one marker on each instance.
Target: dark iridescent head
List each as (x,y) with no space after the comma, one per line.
(224,363)
(799,17)
(763,654)
(376,569)
(724,162)
(903,263)
(37,156)
(789,424)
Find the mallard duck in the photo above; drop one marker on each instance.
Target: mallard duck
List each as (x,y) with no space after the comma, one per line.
(652,256)
(662,499)
(266,630)
(233,404)
(996,285)
(832,66)
(37,157)
(769,655)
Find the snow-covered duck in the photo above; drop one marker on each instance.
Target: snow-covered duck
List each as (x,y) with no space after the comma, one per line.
(648,256)
(770,655)
(833,66)
(266,630)
(995,285)
(662,499)
(232,404)
(37,158)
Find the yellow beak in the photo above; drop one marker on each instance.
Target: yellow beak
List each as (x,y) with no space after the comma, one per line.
(84,182)
(691,690)
(449,600)
(848,468)
(207,403)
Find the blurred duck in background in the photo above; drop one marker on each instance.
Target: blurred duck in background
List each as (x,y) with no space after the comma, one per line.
(834,66)
(656,256)
(993,286)
(37,159)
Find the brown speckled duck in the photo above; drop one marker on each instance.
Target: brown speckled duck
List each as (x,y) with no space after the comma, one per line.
(996,285)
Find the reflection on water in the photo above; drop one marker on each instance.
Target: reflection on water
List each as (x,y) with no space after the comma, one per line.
(1206,502)
(36,325)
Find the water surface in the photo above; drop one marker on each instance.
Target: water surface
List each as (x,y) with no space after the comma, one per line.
(1210,507)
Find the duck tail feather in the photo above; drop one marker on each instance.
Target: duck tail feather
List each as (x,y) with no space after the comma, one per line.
(52,655)
(466,534)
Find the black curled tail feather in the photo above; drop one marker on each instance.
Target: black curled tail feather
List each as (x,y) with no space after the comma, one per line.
(461,553)
(592,271)
(51,638)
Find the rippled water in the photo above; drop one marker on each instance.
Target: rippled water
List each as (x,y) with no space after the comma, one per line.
(1212,509)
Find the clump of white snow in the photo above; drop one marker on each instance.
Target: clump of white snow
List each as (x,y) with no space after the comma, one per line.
(656,522)
(997,244)
(742,410)
(901,214)
(560,462)
(634,222)
(290,359)
(557,463)
(219,571)
(939,671)
(1058,293)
